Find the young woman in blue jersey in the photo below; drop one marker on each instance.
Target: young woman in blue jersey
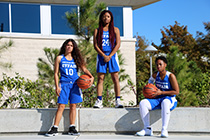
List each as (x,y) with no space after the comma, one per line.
(67,64)
(165,100)
(106,43)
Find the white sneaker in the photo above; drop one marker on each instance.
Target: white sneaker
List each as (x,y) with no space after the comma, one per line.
(145,132)
(118,104)
(98,104)
(164,133)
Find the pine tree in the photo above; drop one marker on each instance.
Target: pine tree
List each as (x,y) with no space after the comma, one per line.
(185,72)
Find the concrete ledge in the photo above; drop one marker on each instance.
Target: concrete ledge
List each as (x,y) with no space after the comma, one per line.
(125,120)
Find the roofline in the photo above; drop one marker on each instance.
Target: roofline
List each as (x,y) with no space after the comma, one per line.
(135,4)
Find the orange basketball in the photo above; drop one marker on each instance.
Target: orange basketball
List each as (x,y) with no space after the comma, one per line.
(149,91)
(83,81)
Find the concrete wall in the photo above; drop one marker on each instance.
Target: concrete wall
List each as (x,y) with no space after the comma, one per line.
(125,120)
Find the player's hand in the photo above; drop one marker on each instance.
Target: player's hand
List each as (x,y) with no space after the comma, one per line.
(107,58)
(58,90)
(91,81)
(158,92)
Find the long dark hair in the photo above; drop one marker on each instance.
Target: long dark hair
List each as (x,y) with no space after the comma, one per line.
(99,36)
(76,54)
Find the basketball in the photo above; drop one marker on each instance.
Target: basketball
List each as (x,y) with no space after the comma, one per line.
(149,91)
(83,81)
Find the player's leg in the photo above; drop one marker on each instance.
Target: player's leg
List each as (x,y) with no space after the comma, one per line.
(114,69)
(74,98)
(72,118)
(144,107)
(62,100)
(115,79)
(165,114)
(167,105)
(59,114)
(98,103)
(54,129)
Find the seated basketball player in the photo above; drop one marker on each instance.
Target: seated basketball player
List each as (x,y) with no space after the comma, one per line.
(165,100)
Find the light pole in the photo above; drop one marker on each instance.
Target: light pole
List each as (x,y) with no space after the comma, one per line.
(150,49)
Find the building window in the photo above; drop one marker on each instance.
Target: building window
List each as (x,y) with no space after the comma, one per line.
(118,18)
(25,18)
(58,20)
(4,17)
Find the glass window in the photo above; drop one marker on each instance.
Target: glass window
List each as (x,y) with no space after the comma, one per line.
(59,22)
(118,17)
(25,18)
(4,17)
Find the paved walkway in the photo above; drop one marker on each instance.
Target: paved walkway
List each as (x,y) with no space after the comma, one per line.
(87,136)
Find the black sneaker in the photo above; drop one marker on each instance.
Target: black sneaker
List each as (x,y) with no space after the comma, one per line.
(73,131)
(53,132)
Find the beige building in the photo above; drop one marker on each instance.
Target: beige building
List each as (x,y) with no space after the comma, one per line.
(35,24)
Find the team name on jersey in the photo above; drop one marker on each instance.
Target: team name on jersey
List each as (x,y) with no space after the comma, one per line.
(162,85)
(69,65)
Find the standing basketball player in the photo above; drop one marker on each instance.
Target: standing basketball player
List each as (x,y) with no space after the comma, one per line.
(68,62)
(165,100)
(107,43)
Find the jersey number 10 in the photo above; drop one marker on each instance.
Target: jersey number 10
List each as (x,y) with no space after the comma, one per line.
(69,72)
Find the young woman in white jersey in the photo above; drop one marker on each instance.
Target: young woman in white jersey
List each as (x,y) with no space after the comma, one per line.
(165,100)
(67,64)
(106,43)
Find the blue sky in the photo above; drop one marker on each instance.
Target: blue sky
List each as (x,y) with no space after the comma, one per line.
(148,20)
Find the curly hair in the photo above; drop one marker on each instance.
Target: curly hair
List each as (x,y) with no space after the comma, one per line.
(76,54)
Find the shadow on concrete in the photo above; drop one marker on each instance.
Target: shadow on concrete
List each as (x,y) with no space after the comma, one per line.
(131,122)
(47,119)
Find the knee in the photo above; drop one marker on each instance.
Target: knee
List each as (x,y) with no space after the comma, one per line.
(143,103)
(115,77)
(166,102)
(61,106)
(72,106)
(100,79)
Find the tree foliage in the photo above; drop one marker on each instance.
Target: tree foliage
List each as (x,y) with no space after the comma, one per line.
(203,43)
(86,22)
(142,65)
(178,35)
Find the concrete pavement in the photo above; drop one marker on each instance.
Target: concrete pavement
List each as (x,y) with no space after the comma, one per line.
(105,136)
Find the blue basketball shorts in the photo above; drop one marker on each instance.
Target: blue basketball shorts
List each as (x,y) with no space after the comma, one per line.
(112,65)
(156,103)
(69,93)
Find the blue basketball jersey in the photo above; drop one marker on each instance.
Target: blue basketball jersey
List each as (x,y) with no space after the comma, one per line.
(68,70)
(106,44)
(163,85)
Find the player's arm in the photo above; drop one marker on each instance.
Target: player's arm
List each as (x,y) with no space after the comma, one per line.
(152,78)
(56,75)
(174,84)
(117,46)
(86,71)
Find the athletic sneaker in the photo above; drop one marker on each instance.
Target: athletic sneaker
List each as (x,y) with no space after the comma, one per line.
(53,132)
(73,131)
(118,104)
(164,133)
(98,104)
(145,132)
